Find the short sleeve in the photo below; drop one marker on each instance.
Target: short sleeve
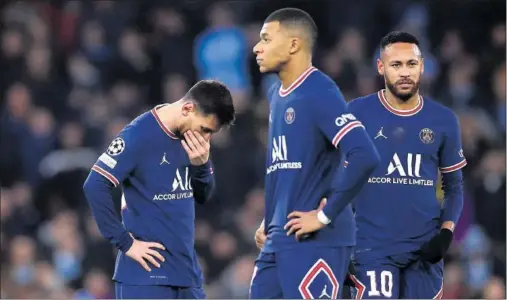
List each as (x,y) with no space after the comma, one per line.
(120,157)
(451,152)
(332,116)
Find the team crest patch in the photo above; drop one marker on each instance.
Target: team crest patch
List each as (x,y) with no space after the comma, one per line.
(427,136)
(290,115)
(116,147)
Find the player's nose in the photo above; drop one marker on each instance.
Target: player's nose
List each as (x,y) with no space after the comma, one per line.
(257,49)
(404,72)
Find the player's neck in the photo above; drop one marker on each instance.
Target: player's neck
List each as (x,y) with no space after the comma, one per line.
(400,104)
(168,116)
(292,71)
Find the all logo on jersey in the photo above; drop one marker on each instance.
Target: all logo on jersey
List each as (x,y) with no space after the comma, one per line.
(427,136)
(181,187)
(116,147)
(181,183)
(279,156)
(404,169)
(412,169)
(279,151)
(290,115)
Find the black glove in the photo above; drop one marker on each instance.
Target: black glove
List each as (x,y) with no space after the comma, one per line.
(348,279)
(434,250)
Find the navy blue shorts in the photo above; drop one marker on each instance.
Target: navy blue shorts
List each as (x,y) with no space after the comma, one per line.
(383,279)
(302,273)
(126,291)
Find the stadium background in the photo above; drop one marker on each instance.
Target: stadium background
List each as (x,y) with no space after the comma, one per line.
(72,74)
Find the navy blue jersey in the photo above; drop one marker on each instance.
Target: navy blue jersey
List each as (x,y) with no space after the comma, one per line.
(397,209)
(149,162)
(308,121)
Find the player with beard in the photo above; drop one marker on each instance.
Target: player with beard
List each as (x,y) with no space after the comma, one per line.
(403,231)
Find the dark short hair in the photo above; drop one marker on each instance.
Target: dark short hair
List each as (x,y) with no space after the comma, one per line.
(213,98)
(294,17)
(394,37)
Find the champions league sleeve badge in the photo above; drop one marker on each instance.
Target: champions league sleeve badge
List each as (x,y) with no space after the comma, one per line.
(116,147)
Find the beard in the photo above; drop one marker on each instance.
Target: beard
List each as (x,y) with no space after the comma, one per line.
(178,134)
(403,95)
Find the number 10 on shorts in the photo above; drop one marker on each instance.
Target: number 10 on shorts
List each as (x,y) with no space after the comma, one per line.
(386,284)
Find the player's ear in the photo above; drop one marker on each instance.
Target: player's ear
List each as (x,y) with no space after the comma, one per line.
(380,67)
(422,65)
(187,108)
(295,45)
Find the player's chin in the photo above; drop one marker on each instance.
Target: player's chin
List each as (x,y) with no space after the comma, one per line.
(405,92)
(263,69)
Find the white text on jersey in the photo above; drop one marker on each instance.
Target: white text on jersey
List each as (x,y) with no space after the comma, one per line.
(279,156)
(405,174)
(182,188)
(341,120)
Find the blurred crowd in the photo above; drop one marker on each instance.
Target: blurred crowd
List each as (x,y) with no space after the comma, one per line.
(74,73)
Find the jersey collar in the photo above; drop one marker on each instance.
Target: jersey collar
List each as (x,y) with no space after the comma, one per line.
(164,128)
(400,112)
(285,92)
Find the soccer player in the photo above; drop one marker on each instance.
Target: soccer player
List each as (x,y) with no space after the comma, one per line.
(403,233)
(161,160)
(309,224)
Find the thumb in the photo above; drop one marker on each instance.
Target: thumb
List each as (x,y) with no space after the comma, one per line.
(322,203)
